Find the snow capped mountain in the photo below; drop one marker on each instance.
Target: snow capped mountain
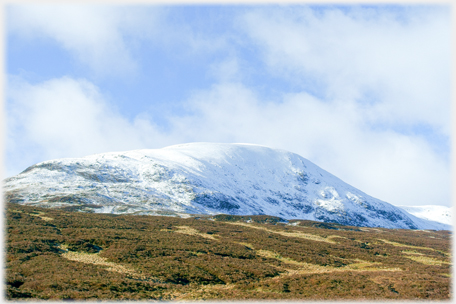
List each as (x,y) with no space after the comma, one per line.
(441,214)
(205,178)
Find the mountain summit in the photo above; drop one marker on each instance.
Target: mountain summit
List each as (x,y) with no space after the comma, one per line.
(205,178)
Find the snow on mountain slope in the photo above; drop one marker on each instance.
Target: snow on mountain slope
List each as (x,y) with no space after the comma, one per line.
(205,178)
(441,214)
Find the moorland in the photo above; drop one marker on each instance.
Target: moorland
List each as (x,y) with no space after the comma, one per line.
(58,254)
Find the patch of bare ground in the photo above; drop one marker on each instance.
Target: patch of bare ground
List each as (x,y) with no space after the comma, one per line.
(41,215)
(427,260)
(201,293)
(298,234)
(191,231)
(414,252)
(396,244)
(96,259)
(306,268)
(370,229)
(404,245)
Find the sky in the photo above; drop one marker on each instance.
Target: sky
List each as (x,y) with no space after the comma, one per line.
(363,91)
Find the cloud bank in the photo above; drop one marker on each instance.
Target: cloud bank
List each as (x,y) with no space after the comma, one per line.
(69,118)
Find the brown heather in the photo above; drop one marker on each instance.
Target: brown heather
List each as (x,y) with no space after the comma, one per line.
(56,254)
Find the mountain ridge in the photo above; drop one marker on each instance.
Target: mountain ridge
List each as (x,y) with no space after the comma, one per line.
(205,178)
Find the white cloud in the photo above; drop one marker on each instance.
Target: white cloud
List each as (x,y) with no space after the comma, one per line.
(96,35)
(404,64)
(68,118)
(226,70)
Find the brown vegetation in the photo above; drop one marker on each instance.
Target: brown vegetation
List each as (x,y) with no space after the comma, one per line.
(56,254)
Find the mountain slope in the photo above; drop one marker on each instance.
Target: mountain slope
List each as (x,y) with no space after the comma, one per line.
(205,178)
(52,255)
(441,214)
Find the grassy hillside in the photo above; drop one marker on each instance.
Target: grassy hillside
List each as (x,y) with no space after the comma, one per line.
(56,254)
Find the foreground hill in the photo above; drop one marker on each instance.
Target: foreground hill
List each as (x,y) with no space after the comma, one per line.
(53,254)
(205,178)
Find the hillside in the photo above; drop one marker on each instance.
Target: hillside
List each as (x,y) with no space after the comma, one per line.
(204,178)
(55,254)
(436,213)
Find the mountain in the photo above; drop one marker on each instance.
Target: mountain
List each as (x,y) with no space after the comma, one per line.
(441,214)
(205,178)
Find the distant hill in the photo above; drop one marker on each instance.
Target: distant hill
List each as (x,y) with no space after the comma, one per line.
(205,178)
(441,214)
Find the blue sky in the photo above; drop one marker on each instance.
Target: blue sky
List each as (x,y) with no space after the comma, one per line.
(362,91)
